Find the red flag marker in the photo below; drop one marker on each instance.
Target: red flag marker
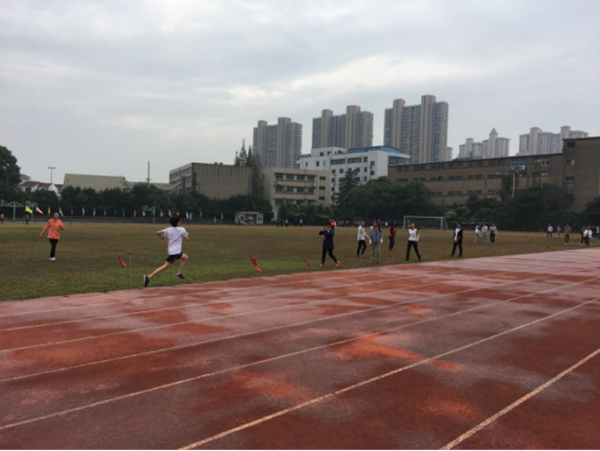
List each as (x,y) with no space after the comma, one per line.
(548,247)
(254,262)
(307,264)
(122,262)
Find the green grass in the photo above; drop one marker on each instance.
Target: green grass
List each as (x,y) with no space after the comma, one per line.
(87,254)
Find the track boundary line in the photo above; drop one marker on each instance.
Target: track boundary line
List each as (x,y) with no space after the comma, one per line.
(518,402)
(367,269)
(216,318)
(198,305)
(272,359)
(339,392)
(270,329)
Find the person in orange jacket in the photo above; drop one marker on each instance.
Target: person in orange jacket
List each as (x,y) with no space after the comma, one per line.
(54,226)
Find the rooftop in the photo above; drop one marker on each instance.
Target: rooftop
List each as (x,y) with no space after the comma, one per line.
(376,148)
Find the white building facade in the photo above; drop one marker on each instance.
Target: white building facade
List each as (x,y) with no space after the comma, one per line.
(371,162)
(538,142)
(493,147)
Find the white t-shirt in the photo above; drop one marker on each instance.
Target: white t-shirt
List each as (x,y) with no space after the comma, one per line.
(477,229)
(362,234)
(484,229)
(175,236)
(412,234)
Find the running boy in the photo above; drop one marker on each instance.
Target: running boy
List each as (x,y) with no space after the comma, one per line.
(328,233)
(175,236)
(54,226)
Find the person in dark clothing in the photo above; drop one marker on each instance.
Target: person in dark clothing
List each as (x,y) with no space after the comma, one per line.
(392,236)
(328,233)
(458,238)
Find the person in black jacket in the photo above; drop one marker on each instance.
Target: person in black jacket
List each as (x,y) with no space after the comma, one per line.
(328,233)
(458,239)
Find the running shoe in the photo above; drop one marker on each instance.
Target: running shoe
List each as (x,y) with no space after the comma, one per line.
(337,264)
(179,276)
(146,281)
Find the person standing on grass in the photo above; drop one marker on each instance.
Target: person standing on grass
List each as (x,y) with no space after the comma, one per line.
(392,236)
(558,230)
(477,234)
(458,239)
(2,218)
(375,240)
(484,234)
(550,231)
(413,241)
(301,222)
(54,226)
(361,237)
(598,232)
(175,235)
(493,231)
(328,232)
(567,234)
(587,235)
(582,232)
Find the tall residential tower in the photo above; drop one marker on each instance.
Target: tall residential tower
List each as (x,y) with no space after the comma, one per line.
(420,131)
(279,146)
(351,130)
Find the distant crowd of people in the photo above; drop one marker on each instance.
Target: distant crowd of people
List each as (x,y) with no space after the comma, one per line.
(587,233)
(482,231)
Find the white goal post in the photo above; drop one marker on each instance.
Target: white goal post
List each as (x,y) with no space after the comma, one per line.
(426,222)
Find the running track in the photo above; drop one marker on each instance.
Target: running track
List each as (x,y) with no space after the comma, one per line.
(481,353)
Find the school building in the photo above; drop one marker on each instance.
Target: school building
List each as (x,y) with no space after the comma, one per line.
(577,168)
(297,186)
(216,181)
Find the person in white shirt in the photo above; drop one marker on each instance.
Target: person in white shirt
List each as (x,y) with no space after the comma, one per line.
(587,235)
(362,238)
(413,241)
(175,236)
(477,234)
(484,234)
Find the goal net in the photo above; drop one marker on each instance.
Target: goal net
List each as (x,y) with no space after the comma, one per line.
(426,222)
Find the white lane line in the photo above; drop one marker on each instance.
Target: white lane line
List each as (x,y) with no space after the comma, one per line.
(245,334)
(217,318)
(264,361)
(190,293)
(518,402)
(372,380)
(188,306)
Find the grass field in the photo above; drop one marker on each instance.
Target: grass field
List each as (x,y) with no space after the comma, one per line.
(87,254)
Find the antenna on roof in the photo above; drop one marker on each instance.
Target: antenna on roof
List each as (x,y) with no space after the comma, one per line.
(148,179)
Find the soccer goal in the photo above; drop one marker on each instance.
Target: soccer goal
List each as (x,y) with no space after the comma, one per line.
(426,222)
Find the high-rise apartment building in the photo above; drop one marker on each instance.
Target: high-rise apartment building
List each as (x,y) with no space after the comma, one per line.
(351,130)
(538,142)
(279,146)
(493,147)
(420,131)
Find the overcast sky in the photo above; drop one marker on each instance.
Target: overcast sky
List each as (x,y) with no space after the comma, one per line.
(101,87)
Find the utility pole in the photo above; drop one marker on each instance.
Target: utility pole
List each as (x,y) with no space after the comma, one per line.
(148,179)
(52,168)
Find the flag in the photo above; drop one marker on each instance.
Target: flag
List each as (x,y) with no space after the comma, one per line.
(49,211)
(38,211)
(60,211)
(255,263)
(307,264)
(28,210)
(123,265)
(94,212)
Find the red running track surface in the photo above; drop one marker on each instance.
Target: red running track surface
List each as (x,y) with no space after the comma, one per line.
(482,353)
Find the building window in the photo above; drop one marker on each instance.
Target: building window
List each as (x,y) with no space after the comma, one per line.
(479,176)
(310,178)
(321,197)
(365,178)
(289,189)
(341,171)
(451,177)
(305,165)
(571,144)
(299,177)
(365,159)
(372,163)
(333,181)
(372,173)
(318,163)
(546,162)
(278,189)
(545,174)
(458,192)
(459,177)
(333,171)
(523,164)
(321,188)
(569,179)
(289,176)
(311,191)
(278,176)
(471,177)
(321,177)
(570,162)
(354,160)
(338,161)
(514,164)
(321,154)
(365,169)
(450,193)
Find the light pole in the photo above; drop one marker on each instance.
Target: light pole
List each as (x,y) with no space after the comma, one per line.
(52,168)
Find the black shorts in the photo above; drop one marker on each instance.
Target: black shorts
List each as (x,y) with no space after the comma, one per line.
(173,258)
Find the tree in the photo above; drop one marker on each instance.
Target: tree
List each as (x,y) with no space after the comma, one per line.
(256,178)
(350,180)
(243,155)
(10,174)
